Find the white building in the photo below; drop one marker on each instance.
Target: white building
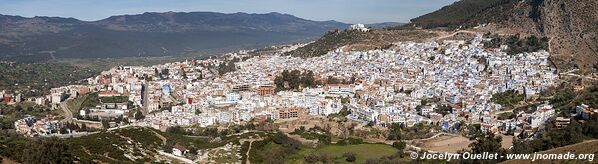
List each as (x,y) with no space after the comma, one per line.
(359,27)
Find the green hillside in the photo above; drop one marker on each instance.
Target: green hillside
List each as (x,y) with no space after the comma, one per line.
(467,13)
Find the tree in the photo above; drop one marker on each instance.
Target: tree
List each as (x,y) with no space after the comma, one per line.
(83,127)
(139,115)
(399,145)
(193,150)
(311,158)
(332,80)
(444,109)
(349,156)
(484,142)
(52,150)
(344,111)
(224,68)
(167,147)
(317,157)
(165,71)
(105,124)
(183,73)
(293,80)
(176,130)
(394,132)
(63,130)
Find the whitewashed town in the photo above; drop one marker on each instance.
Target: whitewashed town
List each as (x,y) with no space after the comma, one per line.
(467,81)
(379,86)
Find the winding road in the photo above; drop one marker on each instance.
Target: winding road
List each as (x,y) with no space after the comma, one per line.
(68,115)
(455,33)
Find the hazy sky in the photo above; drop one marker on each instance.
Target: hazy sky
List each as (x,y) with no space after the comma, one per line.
(349,11)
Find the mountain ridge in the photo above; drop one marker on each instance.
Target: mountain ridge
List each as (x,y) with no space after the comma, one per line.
(43,38)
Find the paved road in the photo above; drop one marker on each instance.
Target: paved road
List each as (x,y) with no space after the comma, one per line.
(68,115)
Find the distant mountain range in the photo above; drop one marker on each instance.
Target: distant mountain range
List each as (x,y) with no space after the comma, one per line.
(150,34)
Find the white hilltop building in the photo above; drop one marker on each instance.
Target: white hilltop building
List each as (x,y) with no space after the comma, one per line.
(359,27)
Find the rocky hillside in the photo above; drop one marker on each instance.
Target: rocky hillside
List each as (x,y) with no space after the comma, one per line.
(467,13)
(356,40)
(150,34)
(573,29)
(571,25)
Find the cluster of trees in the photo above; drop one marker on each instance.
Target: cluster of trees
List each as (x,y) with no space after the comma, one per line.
(138,115)
(397,131)
(467,13)
(227,67)
(483,142)
(76,127)
(399,145)
(11,113)
(323,136)
(294,80)
(344,111)
(163,74)
(518,45)
(334,80)
(443,109)
(103,120)
(565,99)
(350,141)
(341,114)
(34,80)
(275,147)
(114,99)
(508,98)
(551,138)
(316,157)
(52,150)
(350,156)
(34,150)
(330,41)
(505,116)
(554,137)
(394,132)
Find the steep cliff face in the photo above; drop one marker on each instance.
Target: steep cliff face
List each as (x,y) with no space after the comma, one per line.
(573,29)
(572,26)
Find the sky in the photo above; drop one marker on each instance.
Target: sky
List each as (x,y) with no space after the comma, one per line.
(348,11)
